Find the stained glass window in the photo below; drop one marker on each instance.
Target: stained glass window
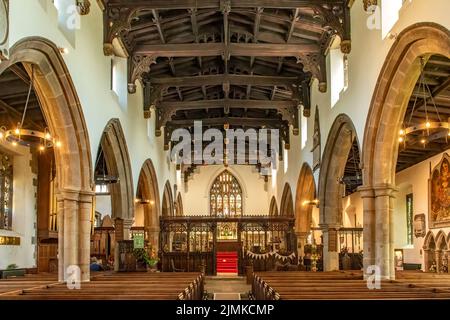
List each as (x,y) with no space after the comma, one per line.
(226,196)
(6,191)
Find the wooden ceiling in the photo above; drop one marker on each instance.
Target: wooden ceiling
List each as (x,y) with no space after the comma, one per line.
(14,86)
(352,172)
(437,77)
(247,64)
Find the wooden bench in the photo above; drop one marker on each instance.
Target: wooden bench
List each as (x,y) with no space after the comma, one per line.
(110,286)
(341,286)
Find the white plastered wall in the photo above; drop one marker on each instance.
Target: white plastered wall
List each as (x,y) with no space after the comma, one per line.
(254,189)
(24,215)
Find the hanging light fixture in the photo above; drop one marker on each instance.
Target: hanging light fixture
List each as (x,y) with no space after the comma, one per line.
(439,127)
(42,140)
(103,178)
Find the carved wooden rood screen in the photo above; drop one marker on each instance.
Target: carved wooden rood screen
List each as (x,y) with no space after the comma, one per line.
(190,243)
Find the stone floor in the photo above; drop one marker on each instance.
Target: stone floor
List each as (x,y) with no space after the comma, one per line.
(227,287)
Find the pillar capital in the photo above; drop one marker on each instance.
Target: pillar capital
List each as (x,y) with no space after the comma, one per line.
(327,226)
(387,189)
(85,196)
(128,223)
(366,192)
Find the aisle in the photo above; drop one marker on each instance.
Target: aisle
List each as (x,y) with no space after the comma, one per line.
(227,288)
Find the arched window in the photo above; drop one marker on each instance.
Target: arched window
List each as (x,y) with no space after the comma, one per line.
(6,191)
(226,196)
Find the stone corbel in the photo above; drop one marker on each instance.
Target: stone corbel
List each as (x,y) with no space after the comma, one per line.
(290,115)
(369,3)
(336,23)
(138,65)
(152,95)
(316,64)
(83,7)
(163,115)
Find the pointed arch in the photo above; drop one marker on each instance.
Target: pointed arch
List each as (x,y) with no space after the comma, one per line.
(273,208)
(317,149)
(287,205)
(179,206)
(441,241)
(114,147)
(339,143)
(63,113)
(306,191)
(148,193)
(395,84)
(167,208)
(429,242)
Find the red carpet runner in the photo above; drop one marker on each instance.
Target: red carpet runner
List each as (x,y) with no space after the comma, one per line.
(227,262)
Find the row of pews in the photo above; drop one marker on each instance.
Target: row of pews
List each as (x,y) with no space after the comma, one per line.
(341,285)
(108,286)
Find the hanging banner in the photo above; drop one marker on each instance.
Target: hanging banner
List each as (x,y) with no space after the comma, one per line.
(259,256)
(138,241)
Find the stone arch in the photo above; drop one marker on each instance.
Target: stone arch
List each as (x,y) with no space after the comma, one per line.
(273,208)
(395,84)
(115,150)
(429,247)
(287,205)
(306,192)
(441,241)
(339,143)
(63,113)
(148,193)
(167,208)
(179,206)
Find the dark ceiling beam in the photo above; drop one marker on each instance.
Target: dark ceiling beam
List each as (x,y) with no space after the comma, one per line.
(259,11)
(232,121)
(14,112)
(167,109)
(228,103)
(219,79)
(436,91)
(216,4)
(218,49)
(292,26)
(194,24)
(307,54)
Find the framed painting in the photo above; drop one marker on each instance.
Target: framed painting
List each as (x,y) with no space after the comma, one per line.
(439,194)
(419,225)
(398,259)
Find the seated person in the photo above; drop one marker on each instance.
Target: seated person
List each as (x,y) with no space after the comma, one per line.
(95,265)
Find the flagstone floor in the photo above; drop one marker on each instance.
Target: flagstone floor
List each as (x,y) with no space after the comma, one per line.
(227,288)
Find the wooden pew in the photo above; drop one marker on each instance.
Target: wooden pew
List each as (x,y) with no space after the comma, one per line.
(339,285)
(111,286)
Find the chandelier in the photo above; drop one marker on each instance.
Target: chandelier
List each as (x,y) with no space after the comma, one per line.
(26,137)
(430,129)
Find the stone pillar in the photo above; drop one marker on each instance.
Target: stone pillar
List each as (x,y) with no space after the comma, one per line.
(85,221)
(74,231)
(301,242)
(426,255)
(384,252)
(447,257)
(330,247)
(153,236)
(127,224)
(369,245)
(438,259)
